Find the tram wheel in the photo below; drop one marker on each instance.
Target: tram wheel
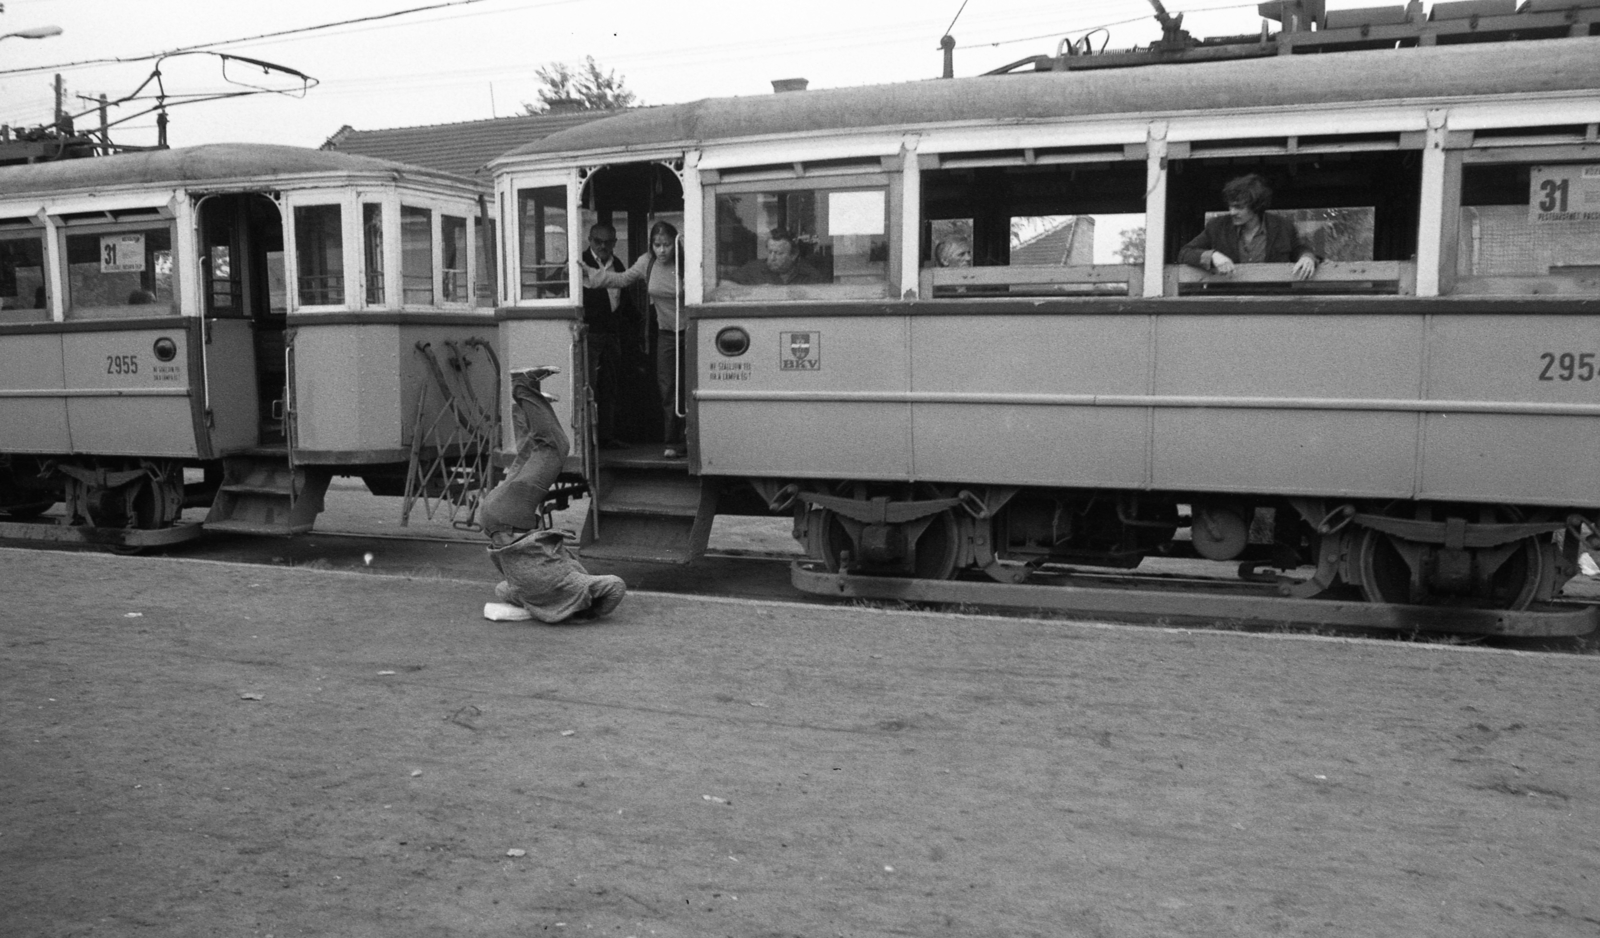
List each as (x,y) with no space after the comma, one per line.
(935,552)
(937,548)
(835,545)
(1385,575)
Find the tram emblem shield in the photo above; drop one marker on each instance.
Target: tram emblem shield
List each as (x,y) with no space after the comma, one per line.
(800,351)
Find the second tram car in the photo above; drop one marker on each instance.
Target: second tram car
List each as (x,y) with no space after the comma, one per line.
(1418,421)
(259,317)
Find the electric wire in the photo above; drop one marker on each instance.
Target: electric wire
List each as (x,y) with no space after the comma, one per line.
(299,30)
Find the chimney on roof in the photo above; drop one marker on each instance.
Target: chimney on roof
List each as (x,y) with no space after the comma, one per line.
(780,85)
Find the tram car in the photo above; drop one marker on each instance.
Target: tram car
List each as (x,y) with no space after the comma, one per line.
(227,328)
(1418,421)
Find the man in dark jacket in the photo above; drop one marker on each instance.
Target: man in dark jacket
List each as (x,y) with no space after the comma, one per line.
(1248,235)
(609,316)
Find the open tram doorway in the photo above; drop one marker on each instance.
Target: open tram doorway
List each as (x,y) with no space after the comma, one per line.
(623,333)
(245,299)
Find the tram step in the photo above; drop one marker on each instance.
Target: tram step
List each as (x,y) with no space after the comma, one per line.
(644,537)
(654,514)
(261,494)
(248,489)
(637,507)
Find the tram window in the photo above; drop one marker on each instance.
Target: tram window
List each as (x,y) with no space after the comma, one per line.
(1335,234)
(1033,230)
(416,255)
(483,274)
(22,280)
(542,216)
(453,243)
(120,273)
(1529,228)
(224,286)
(1357,210)
(319,254)
(800,243)
(372,251)
(277,285)
(1071,240)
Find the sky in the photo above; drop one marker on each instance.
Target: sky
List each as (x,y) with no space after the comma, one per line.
(476,59)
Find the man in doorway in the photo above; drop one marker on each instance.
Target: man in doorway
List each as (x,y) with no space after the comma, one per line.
(609,316)
(783,264)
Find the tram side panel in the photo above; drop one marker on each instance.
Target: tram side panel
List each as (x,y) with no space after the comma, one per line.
(347,393)
(544,339)
(231,385)
(358,387)
(31,364)
(115,392)
(1526,362)
(1212,401)
(1045,391)
(800,402)
(1287,404)
(137,393)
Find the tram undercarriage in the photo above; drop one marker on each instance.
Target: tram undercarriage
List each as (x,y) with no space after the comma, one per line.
(1455,556)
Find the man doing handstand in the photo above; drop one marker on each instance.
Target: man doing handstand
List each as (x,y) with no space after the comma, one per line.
(542,574)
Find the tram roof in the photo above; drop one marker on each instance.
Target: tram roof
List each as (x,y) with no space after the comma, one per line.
(209,163)
(1466,70)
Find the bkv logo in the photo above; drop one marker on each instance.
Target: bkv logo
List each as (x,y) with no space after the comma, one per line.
(800,351)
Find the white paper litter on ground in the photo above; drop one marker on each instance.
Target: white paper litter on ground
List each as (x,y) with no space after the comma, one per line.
(505,612)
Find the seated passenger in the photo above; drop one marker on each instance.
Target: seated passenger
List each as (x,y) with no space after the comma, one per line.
(541,573)
(1247,235)
(783,264)
(953,252)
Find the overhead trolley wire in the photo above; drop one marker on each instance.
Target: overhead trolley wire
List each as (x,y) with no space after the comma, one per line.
(299,30)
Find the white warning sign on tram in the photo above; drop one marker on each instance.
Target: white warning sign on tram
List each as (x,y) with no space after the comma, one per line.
(1559,194)
(121,254)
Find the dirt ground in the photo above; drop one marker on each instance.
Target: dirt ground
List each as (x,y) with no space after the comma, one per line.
(192,748)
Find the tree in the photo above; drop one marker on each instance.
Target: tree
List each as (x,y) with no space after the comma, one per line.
(589,88)
(1132,249)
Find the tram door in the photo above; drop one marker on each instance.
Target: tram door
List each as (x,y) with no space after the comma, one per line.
(245,299)
(631,198)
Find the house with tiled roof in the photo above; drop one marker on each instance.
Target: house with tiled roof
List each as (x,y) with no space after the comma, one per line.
(1067,240)
(463,148)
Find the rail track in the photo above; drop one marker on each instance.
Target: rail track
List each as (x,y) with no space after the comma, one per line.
(1175,593)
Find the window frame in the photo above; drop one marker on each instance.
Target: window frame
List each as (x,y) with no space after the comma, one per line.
(858,178)
(19,230)
(433,215)
(508,191)
(72,228)
(1498,151)
(378,200)
(1379,137)
(349,203)
(1086,281)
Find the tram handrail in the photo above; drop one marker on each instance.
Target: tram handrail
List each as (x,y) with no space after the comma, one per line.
(679,378)
(1386,276)
(948,281)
